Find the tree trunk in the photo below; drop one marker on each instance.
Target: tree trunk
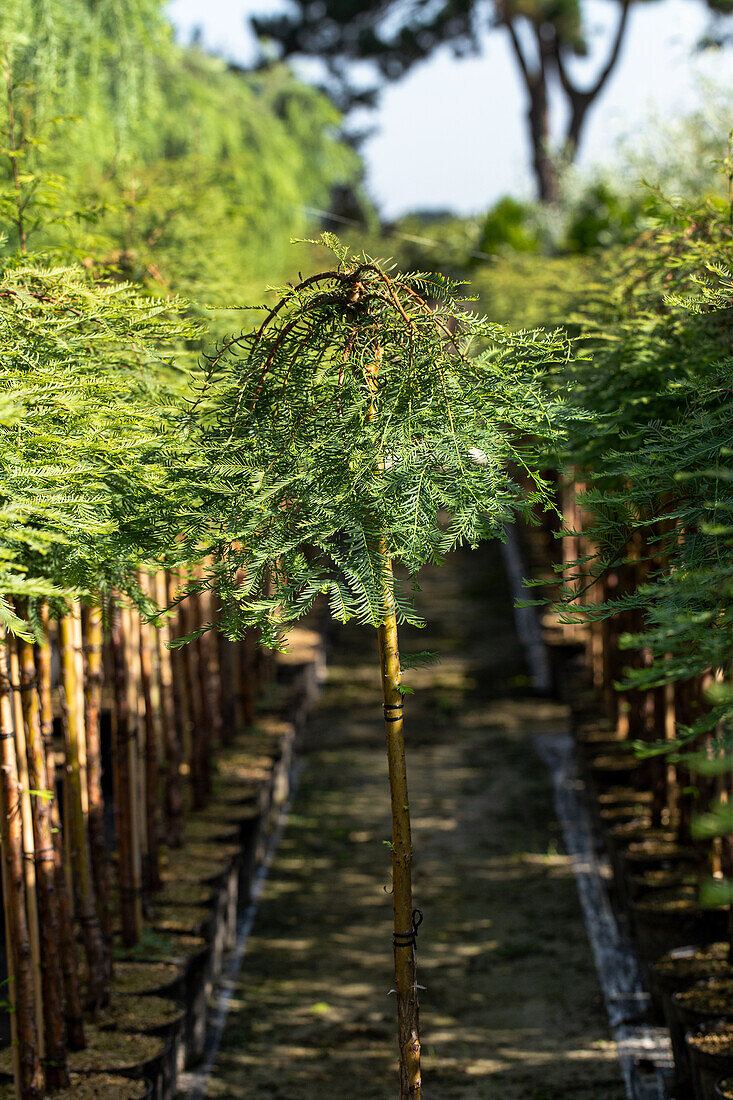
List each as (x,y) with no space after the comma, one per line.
(76,792)
(29,1083)
(92,713)
(67,948)
(52,979)
(171,732)
(127,865)
(404,915)
(543,163)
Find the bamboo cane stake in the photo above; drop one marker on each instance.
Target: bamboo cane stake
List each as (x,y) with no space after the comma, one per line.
(192,695)
(136,744)
(170,728)
(128,862)
(180,693)
(72,995)
(211,668)
(26,1056)
(29,859)
(405,922)
(150,749)
(228,687)
(93,644)
(408,1027)
(52,1002)
(74,737)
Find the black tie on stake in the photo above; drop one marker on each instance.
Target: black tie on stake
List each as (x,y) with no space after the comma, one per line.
(393,717)
(408,939)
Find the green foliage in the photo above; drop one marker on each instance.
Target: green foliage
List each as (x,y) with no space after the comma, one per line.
(169,168)
(508,226)
(87,432)
(357,418)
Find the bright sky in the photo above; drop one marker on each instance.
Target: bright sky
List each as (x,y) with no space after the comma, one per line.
(452,133)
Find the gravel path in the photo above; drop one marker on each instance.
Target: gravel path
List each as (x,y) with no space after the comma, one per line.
(512,1008)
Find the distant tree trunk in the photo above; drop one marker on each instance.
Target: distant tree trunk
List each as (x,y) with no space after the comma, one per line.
(548,64)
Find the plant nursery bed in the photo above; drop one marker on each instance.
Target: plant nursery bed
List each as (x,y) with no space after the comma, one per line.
(101,1086)
(194,920)
(148,979)
(144,1014)
(117,1052)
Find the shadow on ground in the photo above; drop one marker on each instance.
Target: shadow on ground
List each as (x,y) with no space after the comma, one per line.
(512,1008)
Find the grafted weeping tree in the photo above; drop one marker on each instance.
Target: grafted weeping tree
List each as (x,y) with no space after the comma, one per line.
(366,427)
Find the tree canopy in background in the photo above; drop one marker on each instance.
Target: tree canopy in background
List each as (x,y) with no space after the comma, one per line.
(156,163)
(395,35)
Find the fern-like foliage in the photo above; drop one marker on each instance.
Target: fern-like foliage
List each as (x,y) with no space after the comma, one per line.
(367,408)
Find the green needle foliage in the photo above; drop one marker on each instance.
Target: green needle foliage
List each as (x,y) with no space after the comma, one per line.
(88,432)
(367,405)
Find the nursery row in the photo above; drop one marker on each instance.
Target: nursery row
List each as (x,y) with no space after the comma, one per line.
(166,782)
(645,572)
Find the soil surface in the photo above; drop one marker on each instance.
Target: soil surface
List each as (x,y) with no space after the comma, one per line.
(512,1008)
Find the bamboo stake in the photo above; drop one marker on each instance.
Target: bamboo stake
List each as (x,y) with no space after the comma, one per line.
(192,694)
(170,728)
(406,920)
(128,865)
(29,859)
(92,625)
(151,771)
(211,669)
(28,1077)
(67,948)
(228,687)
(52,1002)
(136,744)
(408,1027)
(74,737)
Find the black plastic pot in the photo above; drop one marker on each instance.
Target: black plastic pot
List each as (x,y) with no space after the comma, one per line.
(682,968)
(708,1068)
(157,1070)
(659,930)
(685,1019)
